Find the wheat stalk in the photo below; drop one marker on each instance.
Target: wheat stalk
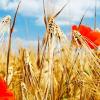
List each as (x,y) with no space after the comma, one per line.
(9,43)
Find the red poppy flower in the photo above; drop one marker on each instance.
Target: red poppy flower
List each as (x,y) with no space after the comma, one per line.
(84,30)
(5,94)
(93,36)
(97,42)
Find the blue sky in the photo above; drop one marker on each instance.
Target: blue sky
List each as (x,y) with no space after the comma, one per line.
(30,17)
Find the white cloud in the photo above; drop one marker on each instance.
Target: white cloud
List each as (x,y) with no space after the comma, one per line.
(72,13)
(3,4)
(28,8)
(75,10)
(18,43)
(21,42)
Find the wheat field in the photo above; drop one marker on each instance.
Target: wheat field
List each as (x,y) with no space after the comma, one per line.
(60,69)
